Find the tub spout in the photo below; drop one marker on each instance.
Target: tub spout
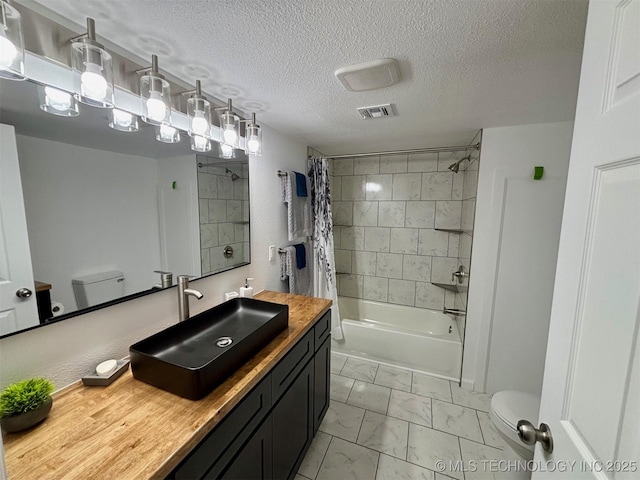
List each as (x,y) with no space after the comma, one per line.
(454,311)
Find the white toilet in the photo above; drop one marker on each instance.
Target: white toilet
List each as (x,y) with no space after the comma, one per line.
(507,409)
(97,288)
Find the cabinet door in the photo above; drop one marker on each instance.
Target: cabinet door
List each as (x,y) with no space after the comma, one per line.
(293,425)
(322,377)
(253,461)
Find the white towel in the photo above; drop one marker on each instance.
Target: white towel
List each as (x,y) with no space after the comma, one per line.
(298,208)
(299,278)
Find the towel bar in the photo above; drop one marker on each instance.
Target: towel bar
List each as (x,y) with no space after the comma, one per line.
(282,174)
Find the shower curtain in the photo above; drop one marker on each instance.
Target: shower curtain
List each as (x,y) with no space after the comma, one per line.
(324,273)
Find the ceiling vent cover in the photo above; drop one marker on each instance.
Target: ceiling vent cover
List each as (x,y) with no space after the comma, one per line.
(377,111)
(369,75)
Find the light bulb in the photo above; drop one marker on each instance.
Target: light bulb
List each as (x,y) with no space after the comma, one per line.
(199,124)
(94,85)
(253,144)
(200,141)
(156,108)
(8,52)
(167,132)
(227,150)
(229,134)
(122,118)
(57,99)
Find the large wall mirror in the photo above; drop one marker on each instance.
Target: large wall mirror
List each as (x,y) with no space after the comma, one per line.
(106,209)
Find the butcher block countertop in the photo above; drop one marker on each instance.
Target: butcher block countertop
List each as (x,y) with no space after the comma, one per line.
(131,430)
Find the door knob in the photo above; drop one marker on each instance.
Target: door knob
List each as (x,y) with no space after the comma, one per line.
(24,293)
(530,435)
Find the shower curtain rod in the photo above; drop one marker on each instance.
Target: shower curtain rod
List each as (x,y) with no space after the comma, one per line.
(415,150)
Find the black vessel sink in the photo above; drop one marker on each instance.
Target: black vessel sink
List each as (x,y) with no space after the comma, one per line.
(193,357)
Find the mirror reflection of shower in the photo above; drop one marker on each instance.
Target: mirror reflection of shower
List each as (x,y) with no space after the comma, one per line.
(455,167)
(227,171)
(234,176)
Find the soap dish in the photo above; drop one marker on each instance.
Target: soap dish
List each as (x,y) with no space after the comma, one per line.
(92,380)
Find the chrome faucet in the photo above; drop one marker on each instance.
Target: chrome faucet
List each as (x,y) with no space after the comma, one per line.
(183,296)
(461,274)
(166,278)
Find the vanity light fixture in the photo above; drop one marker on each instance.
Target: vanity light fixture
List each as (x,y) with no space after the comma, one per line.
(230,126)
(57,102)
(200,143)
(167,134)
(253,137)
(123,121)
(198,112)
(11,43)
(155,94)
(93,68)
(227,151)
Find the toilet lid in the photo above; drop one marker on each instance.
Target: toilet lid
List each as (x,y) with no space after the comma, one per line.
(511,407)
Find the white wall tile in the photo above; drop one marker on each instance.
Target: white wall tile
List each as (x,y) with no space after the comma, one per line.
(350,285)
(468,214)
(217,211)
(337,237)
(204,261)
(458,186)
(363,263)
(415,267)
(343,260)
(352,238)
(422,162)
(389,265)
(377,239)
(470,182)
(437,186)
(365,214)
(404,240)
(442,268)
(391,214)
(420,214)
(407,186)
(445,159)
(226,233)
(393,163)
(465,245)
(433,242)
(353,187)
(429,296)
(366,165)
(450,299)
(203,207)
(448,214)
(402,292)
(234,211)
(209,235)
(454,245)
(379,187)
(343,166)
(225,187)
(342,213)
(335,188)
(376,288)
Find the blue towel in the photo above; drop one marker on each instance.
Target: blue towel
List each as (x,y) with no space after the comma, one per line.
(301,256)
(301,185)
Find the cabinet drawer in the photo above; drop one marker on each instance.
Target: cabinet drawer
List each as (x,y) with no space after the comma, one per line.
(322,329)
(215,452)
(291,365)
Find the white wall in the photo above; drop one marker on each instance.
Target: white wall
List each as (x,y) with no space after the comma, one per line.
(75,198)
(67,350)
(517,229)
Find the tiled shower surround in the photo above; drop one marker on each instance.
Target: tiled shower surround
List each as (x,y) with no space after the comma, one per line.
(393,221)
(224,214)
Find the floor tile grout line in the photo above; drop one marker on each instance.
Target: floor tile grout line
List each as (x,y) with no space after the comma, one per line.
(323,456)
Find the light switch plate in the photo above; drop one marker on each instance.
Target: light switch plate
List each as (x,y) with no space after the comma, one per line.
(272,253)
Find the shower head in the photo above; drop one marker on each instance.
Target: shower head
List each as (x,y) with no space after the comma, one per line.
(234,176)
(454,167)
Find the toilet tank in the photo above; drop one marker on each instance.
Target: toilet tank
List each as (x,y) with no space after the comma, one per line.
(97,288)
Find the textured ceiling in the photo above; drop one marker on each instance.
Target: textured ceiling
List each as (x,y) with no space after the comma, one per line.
(465,64)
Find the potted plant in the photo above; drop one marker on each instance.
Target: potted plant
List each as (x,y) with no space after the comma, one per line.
(25,404)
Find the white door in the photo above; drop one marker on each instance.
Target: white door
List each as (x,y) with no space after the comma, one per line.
(16,313)
(591,390)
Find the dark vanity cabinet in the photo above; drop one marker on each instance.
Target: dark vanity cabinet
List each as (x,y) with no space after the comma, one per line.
(267,435)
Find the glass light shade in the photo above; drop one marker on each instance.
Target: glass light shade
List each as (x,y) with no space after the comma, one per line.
(253,140)
(156,100)
(230,126)
(200,143)
(199,113)
(11,43)
(57,102)
(227,151)
(93,74)
(123,121)
(167,134)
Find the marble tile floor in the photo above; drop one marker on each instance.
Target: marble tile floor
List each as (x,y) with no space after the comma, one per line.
(386,423)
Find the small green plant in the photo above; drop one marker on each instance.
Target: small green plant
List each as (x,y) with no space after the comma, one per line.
(24,396)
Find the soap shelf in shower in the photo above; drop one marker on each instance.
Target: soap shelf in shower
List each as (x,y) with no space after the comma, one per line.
(450,230)
(453,288)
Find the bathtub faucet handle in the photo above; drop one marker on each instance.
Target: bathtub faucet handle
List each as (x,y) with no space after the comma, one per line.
(461,273)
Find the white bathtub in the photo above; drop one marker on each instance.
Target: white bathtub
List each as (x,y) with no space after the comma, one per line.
(408,337)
